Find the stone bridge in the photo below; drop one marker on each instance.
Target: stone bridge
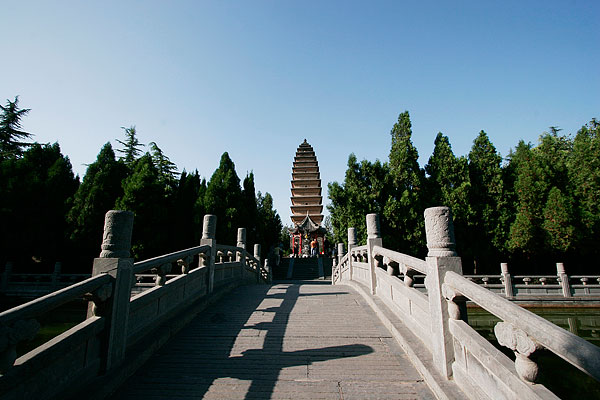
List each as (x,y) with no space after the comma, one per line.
(222,329)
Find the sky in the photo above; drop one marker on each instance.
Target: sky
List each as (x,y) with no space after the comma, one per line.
(256,78)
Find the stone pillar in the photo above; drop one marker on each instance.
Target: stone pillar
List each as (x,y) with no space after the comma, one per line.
(507,280)
(340,252)
(115,261)
(241,242)
(563,279)
(209,228)
(351,244)
(268,270)
(56,274)
(440,259)
(6,275)
(373,239)
(257,256)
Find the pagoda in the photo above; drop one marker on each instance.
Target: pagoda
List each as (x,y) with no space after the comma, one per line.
(307,202)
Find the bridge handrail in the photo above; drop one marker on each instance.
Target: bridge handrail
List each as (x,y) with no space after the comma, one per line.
(53,300)
(403,259)
(573,349)
(142,266)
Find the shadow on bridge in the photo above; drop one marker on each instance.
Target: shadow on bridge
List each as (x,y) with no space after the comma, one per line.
(244,347)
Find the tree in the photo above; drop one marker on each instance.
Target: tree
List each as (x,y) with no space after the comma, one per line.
(404,209)
(37,191)
(132,146)
(167,170)
(584,185)
(223,199)
(11,135)
(186,223)
(363,191)
(448,184)
(249,218)
(145,196)
(269,227)
(100,188)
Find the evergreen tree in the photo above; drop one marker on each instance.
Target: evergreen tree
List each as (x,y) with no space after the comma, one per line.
(363,191)
(223,199)
(132,146)
(145,195)
(584,178)
(186,224)
(249,216)
(100,188)
(11,135)
(167,170)
(448,184)
(37,191)
(404,209)
(270,225)
(485,198)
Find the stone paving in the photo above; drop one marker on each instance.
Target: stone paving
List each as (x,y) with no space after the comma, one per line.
(285,341)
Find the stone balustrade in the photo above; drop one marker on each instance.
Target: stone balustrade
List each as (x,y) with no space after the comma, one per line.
(123,325)
(436,314)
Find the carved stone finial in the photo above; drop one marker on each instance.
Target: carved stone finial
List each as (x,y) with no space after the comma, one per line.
(517,340)
(373,231)
(439,231)
(504,268)
(257,250)
(241,235)
(340,249)
(209,226)
(116,241)
(560,269)
(351,236)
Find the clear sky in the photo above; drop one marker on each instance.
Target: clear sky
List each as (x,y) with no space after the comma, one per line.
(255,78)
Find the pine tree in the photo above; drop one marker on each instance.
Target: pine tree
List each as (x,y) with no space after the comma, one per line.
(249,217)
(144,194)
(132,146)
(11,135)
(404,209)
(485,176)
(223,199)
(100,188)
(167,170)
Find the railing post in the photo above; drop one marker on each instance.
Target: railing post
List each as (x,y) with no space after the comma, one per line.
(351,244)
(564,279)
(115,261)
(241,242)
(257,256)
(268,270)
(508,288)
(373,239)
(6,275)
(441,258)
(209,228)
(56,275)
(340,252)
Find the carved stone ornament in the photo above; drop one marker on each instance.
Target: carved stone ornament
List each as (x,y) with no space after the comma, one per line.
(373,230)
(517,340)
(209,226)
(116,241)
(439,231)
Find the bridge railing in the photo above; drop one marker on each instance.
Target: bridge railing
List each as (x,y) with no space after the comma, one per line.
(437,314)
(120,320)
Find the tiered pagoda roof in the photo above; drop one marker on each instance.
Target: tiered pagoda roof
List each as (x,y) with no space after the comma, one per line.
(307,201)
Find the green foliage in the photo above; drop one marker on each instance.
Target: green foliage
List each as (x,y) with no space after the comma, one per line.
(364,191)
(270,225)
(223,198)
(167,170)
(11,135)
(100,188)
(37,192)
(132,146)
(404,207)
(145,195)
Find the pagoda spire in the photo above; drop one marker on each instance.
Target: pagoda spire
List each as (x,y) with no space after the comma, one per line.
(306,186)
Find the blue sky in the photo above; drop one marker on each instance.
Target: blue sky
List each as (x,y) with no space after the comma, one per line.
(255,78)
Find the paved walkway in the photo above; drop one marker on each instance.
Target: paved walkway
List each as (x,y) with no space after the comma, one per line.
(286,341)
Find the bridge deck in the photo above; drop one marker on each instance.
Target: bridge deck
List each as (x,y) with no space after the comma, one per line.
(286,341)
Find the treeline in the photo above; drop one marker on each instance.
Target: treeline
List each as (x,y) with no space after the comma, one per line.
(538,206)
(48,215)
